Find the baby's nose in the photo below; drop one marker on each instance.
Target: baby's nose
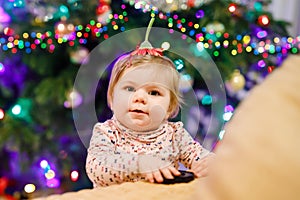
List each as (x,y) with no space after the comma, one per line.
(139,96)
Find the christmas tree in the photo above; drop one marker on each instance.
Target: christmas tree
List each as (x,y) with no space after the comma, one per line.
(44,44)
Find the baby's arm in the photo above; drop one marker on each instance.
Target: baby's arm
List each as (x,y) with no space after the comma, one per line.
(194,156)
(104,166)
(200,166)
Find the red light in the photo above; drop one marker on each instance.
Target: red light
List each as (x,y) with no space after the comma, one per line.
(232,7)
(74,175)
(263,20)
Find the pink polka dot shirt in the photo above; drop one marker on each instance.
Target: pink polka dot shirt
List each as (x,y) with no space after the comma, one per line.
(114,154)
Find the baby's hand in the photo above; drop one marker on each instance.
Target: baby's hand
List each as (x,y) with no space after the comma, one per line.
(156,169)
(159,175)
(200,167)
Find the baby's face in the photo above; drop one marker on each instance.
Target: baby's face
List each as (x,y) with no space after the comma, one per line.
(141,100)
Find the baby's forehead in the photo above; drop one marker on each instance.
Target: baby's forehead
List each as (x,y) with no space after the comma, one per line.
(145,76)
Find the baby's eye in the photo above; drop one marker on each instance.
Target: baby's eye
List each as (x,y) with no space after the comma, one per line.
(154,93)
(129,89)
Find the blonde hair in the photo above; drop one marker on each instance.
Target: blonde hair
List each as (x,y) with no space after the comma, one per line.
(127,61)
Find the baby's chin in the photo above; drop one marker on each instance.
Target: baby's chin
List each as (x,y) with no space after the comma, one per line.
(143,127)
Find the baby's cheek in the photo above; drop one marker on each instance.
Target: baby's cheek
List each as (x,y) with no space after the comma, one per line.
(158,113)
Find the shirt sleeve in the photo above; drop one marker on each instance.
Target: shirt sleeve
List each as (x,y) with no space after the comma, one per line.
(190,149)
(104,165)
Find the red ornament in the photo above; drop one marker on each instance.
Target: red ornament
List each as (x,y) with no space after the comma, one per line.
(102,8)
(232,7)
(9,31)
(263,20)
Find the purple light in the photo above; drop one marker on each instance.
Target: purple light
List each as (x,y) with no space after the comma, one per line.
(261,63)
(199,14)
(228,108)
(2,68)
(261,34)
(4,17)
(53,183)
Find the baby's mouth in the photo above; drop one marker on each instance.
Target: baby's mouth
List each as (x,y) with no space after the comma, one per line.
(138,111)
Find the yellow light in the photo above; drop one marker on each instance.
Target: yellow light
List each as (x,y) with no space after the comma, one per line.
(60,40)
(248,48)
(226,43)
(121,16)
(290,40)
(217,44)
(50,174)
(276,40)
(267,47)
(165,45)
(169,1)
(29,188)
(234,52)
(246,39)
(196,26)
(16,42)
(183,29)
(38,35)
(25,35)
(79,34)
(206,45)
(10,45)
(115,27)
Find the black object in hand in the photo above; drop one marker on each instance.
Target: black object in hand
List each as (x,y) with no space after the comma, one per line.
(184,177)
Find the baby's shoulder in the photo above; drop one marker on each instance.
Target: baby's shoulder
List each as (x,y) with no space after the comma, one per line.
(176,125)
(108,126)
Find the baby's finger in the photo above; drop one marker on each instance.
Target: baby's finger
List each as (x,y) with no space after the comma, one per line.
(158,177)
(166,173)
(174,171)
(150,177)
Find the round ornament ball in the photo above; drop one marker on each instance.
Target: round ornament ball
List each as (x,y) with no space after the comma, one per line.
(236,82)
(215,27)
(74,99)
(80,56)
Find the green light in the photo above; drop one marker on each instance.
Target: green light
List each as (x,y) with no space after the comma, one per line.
(43,46)
(179,64)
(206,100)
(294,50)
(21,109)
(63,9)
(258,6)
(183,20)
(80,27)
(21,44)
(216,53)
(92,22)
(272,49)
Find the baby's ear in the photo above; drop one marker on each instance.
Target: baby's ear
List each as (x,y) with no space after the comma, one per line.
(109,102)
